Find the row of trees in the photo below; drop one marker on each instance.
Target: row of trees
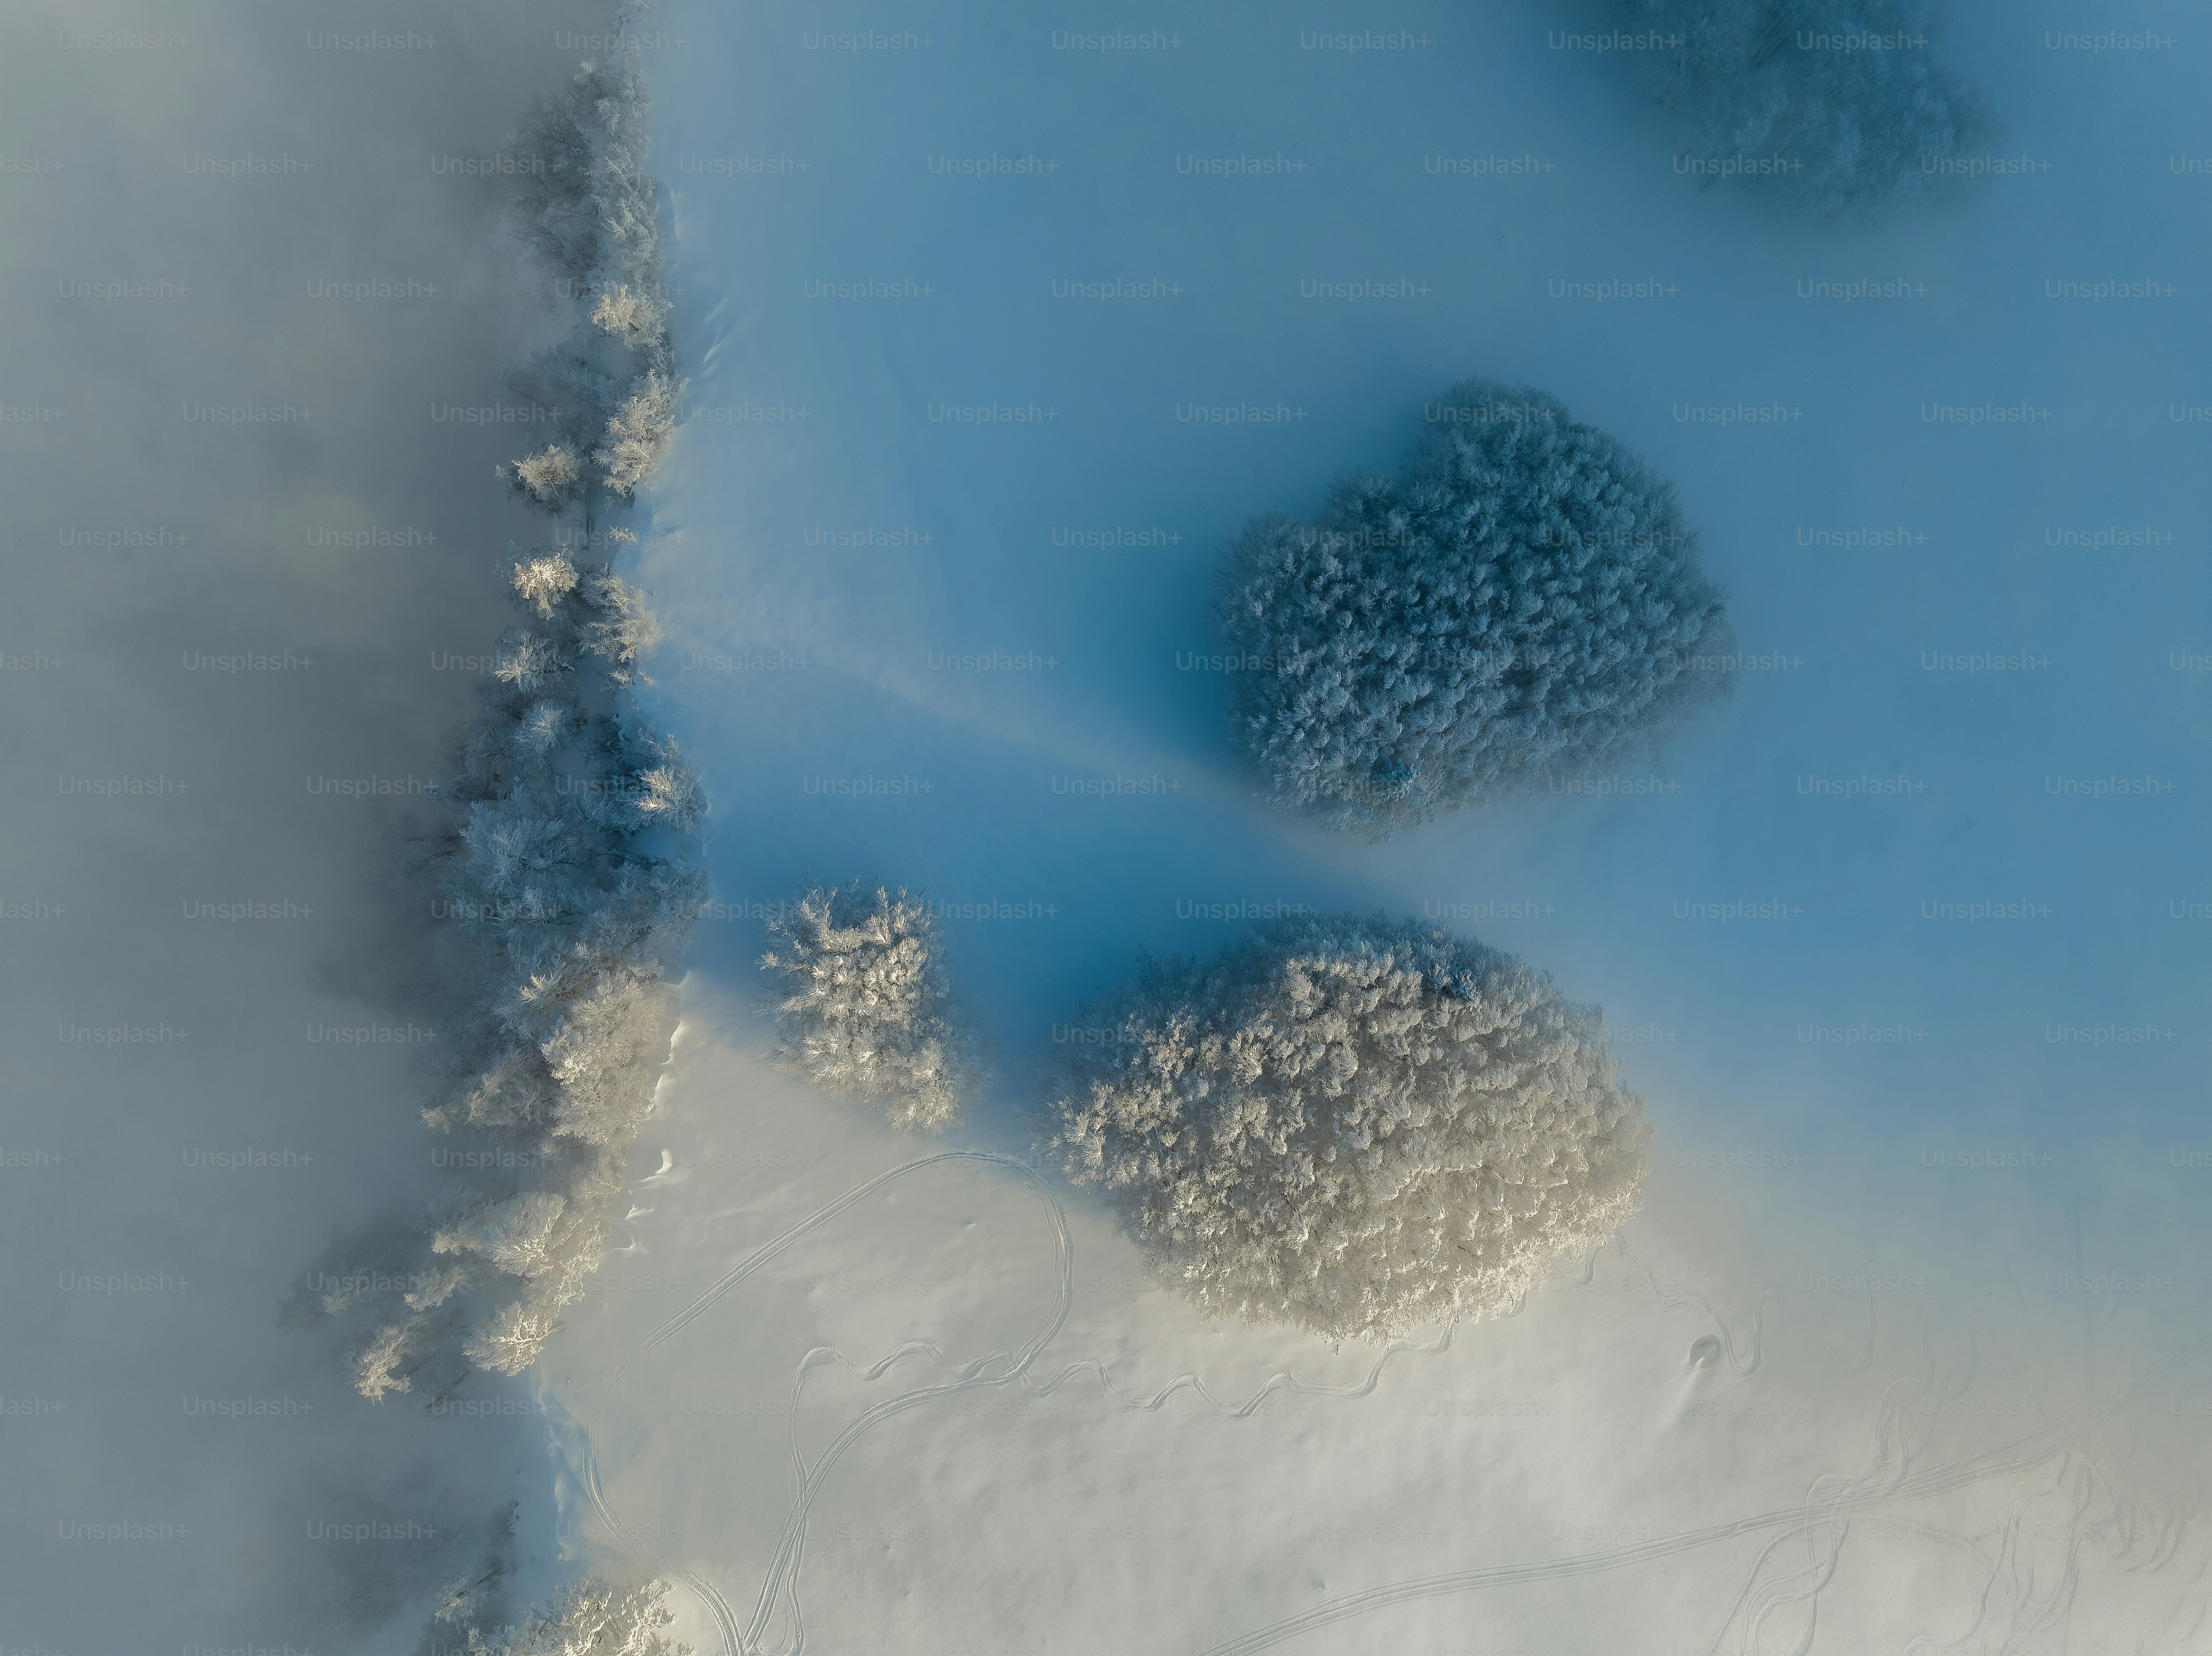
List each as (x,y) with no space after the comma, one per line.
(562,861)
(559,854)
(590,214)
(561,857)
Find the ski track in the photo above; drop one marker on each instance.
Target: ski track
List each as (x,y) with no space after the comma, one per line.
(1826,1514)
(1888,1485)
(998,1369)
(780,1586)
(1358,1604)
(1745,1361)
(717,1606)
(1282,1380)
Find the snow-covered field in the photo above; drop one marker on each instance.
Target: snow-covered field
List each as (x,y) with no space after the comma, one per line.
(1000,323)
(916,1398)
(1903,1351)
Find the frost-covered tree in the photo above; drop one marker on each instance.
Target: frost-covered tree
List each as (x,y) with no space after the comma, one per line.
(552,478)
(1526,600)
(637,434)
(558,861)
(588,1619)
(474,1604)
(1820,105)
(867,1008)
(632,317)
(1355,1126)
(590,214)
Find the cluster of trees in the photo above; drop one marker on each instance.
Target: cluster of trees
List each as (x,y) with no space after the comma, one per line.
(867,1010)
(1526,600)
(587,1618)
(1822,106)
(1355,1126)
(561,854)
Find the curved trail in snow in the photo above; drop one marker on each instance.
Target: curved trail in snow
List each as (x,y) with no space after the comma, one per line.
(717,1606)
(1590,1563)
(1833,1509)
(783,1244)
(1832,1506)
(999,1369)
(1282,1380)
(1856,1495)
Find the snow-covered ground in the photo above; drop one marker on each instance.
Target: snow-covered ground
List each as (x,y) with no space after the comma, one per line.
(1908,1333)
(946,1380)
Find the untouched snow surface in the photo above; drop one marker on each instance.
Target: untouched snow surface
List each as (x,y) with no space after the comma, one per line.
(1908,1333)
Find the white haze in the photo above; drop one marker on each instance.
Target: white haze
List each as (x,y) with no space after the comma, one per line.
(184,654)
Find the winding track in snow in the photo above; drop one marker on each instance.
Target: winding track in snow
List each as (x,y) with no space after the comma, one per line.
(1359,1604)
(717,1606)
(998,1370)
(783,1244)
(1002,1369)
(1856,1496)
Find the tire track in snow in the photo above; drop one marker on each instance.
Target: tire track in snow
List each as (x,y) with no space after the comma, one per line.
(1282,1380)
